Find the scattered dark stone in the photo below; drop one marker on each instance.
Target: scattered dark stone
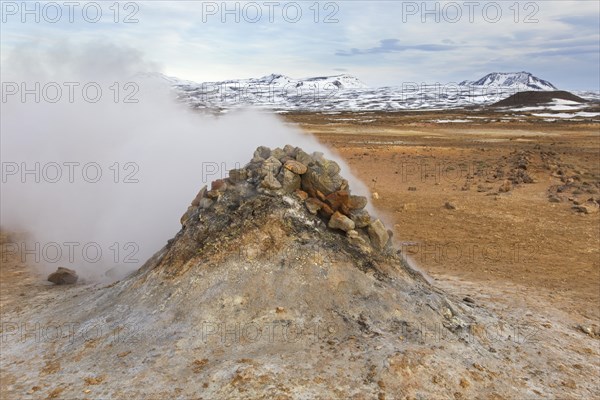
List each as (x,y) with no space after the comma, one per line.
(63,276)
(450,205)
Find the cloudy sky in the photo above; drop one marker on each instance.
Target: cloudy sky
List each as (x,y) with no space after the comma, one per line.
(380,42)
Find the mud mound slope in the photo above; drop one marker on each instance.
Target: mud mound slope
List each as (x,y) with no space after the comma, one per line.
(534,98)
(279,285)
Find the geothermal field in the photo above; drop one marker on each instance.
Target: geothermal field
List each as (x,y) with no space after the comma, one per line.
(470,267)
(179,223)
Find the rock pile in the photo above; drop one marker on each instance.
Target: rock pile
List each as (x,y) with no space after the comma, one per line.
(309,178)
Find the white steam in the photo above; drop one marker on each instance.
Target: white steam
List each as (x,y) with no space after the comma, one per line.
(169,149)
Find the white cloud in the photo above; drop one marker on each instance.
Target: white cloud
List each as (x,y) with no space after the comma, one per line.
(188,42)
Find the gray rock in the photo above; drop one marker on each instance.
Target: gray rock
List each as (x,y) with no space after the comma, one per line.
(303,157)
(361,218)
(63,276)
(189,212)
(254,170)
(330,167)
(289,150)
(378,234)
(357,202)
(270,182)
(278,153)
(553,199)
(341,222)
(238,175)
(262,152)
(199,196)
(323,176)
(271,167)
(345,185)
(205,203)
(356,240)
(313,205)
(290,181)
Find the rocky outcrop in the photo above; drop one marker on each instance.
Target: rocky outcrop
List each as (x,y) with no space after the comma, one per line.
(308,178)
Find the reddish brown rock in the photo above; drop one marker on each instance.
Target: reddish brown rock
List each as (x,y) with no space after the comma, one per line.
(338,199)
(216,188)
(320,195)
(325,210)
(301,194)
(219,185)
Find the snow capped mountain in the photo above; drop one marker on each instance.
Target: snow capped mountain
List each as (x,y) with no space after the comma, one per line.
(340,81)
(282,93)
(517,80)
(282,81)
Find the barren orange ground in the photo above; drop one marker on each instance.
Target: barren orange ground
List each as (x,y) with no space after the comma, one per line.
(517,238)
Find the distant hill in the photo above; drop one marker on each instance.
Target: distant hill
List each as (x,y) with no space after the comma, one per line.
(532,98)
(517,80)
